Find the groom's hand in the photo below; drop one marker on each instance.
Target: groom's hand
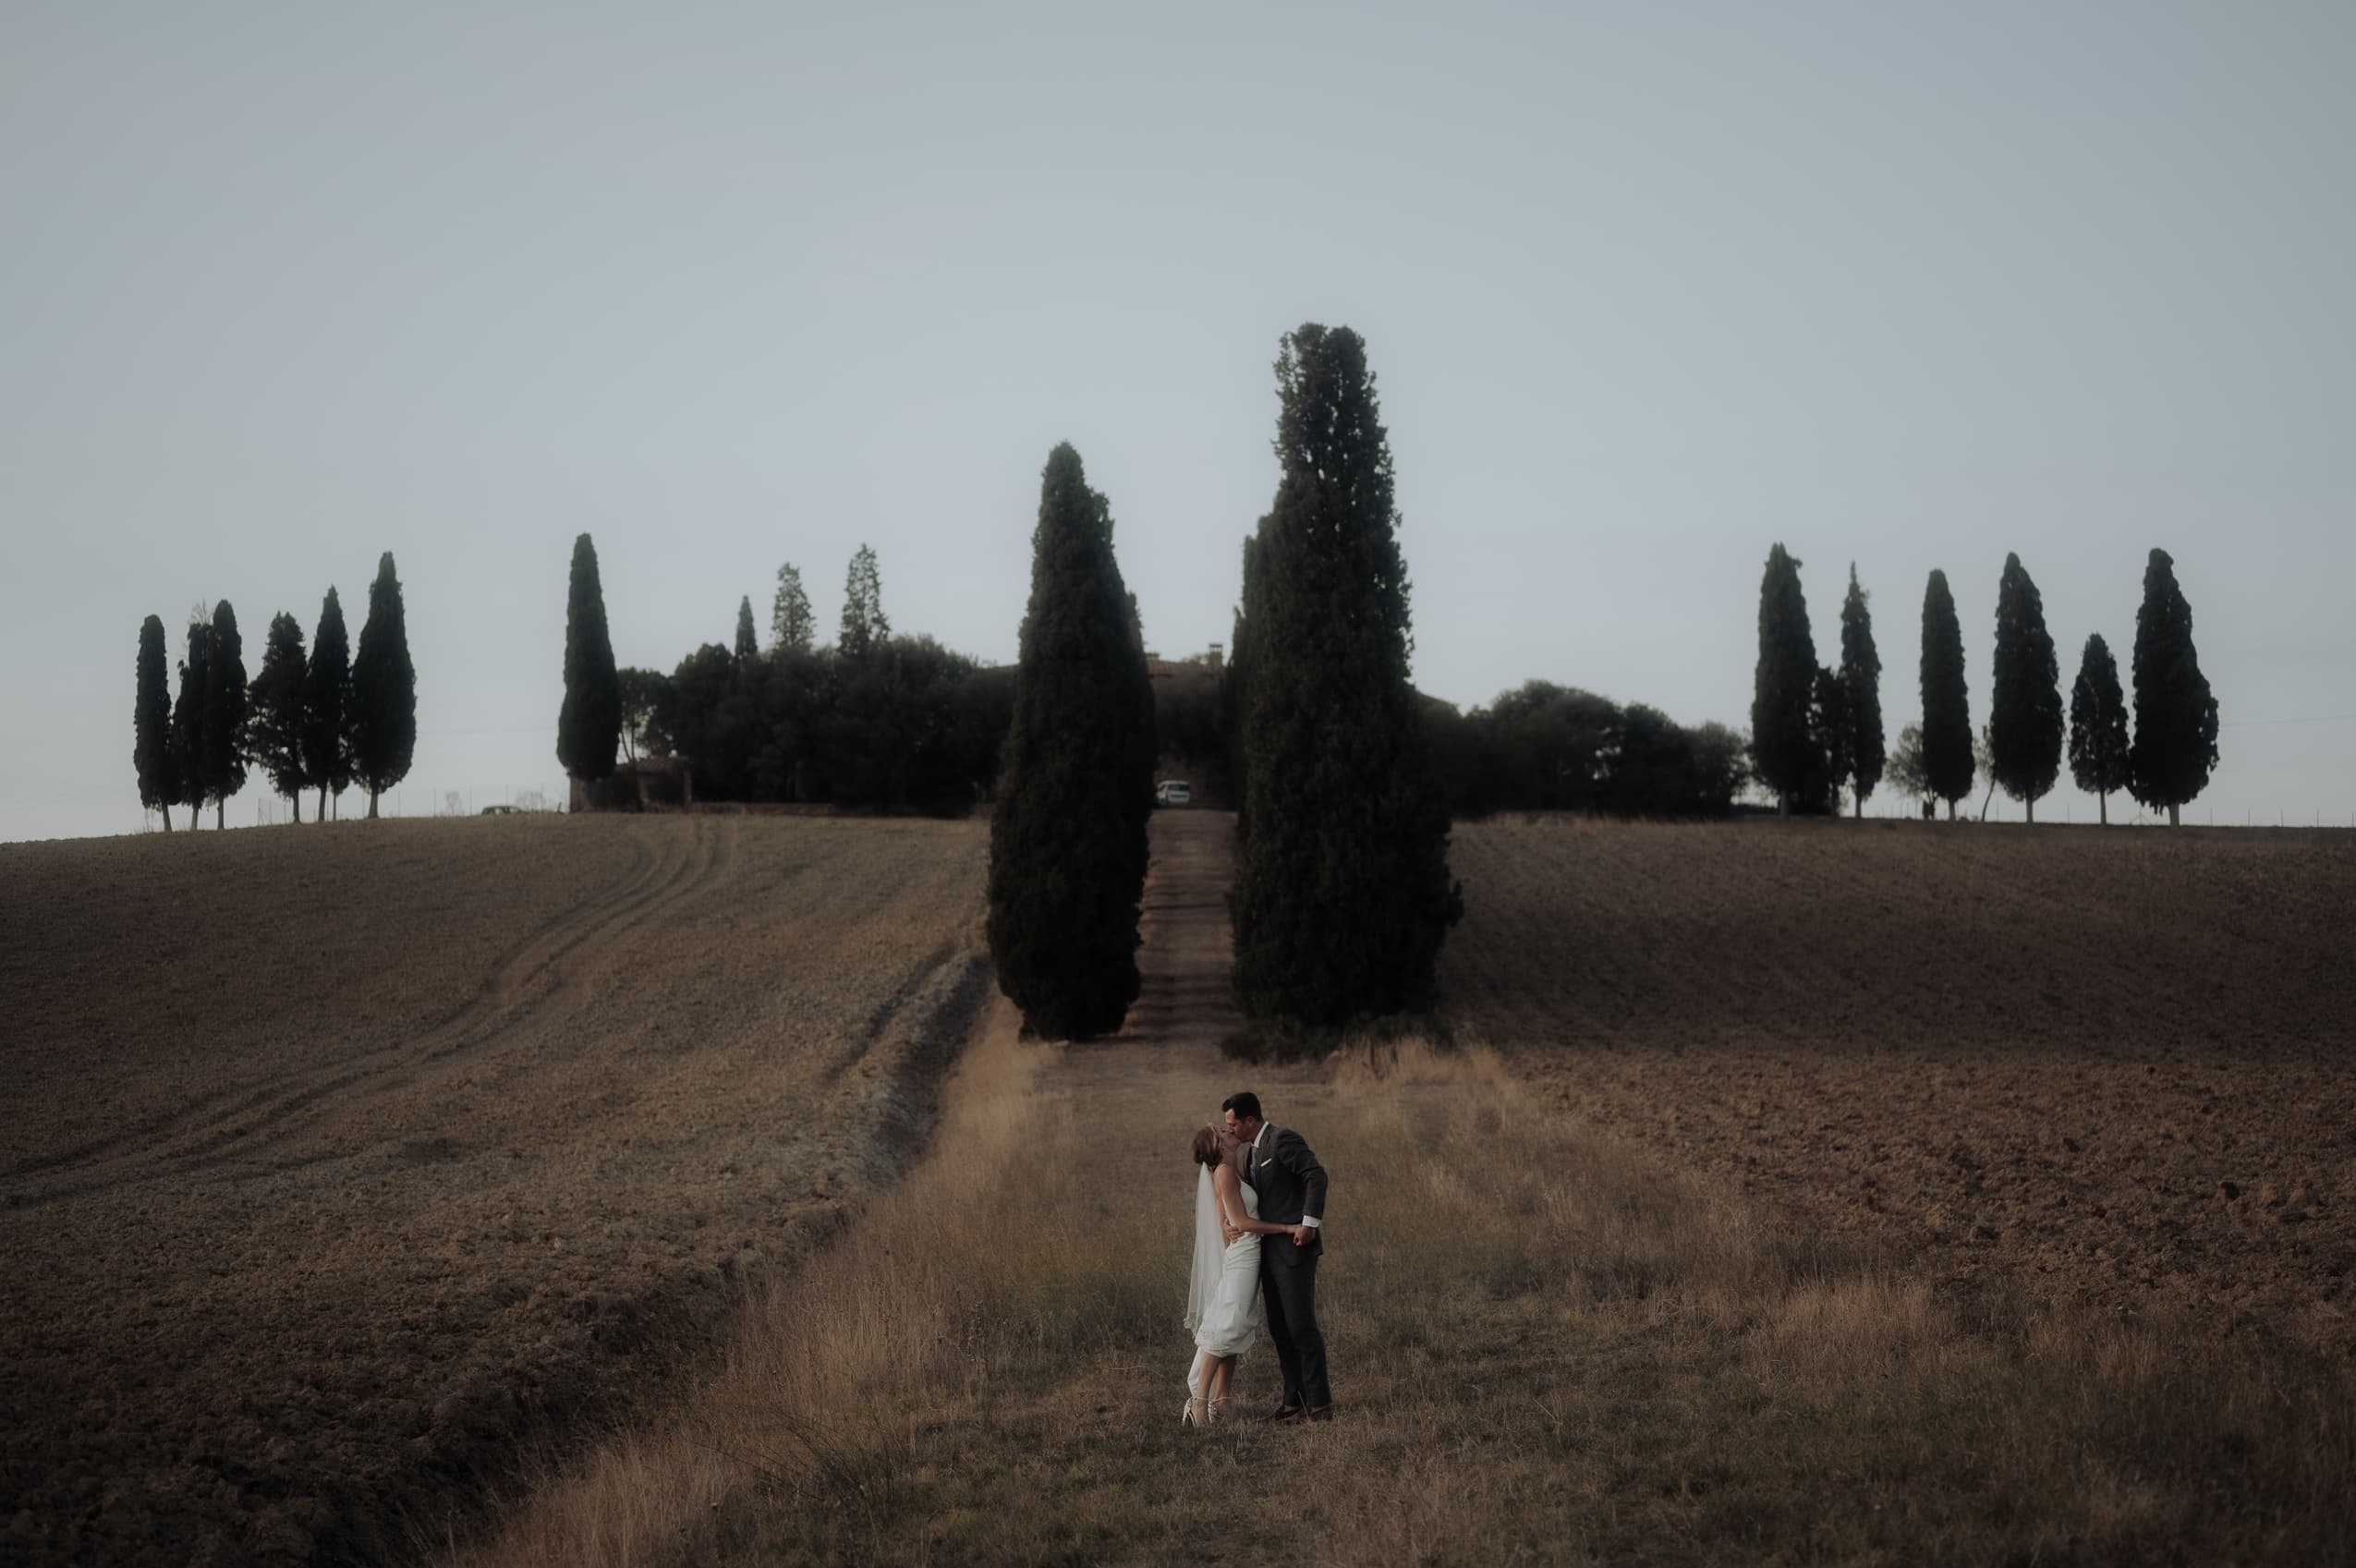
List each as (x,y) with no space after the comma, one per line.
(1231,1231)
(1301,1234)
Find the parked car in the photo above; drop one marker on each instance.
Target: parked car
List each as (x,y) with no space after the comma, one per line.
(1173,792)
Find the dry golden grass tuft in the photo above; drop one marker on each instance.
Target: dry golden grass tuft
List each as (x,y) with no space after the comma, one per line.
(1547,1347)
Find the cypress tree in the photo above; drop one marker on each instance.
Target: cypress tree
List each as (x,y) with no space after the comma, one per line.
(790,627)
(276,715)
(152,725)
(222,763)
(1232,685)
(329,711)
(2176,722)
(748,639)
(1065,876)
(589,723)
(1832,753)
(1861,690)
(1947,706)
(384,690)
(1343,894)
(2024,708)
(863,626)
(1784,744)
(2099,745)
(187,718)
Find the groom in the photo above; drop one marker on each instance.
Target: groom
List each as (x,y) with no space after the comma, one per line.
(1291,1185)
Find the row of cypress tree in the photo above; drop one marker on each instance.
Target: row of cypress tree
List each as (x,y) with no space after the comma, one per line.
(1815,730)
(322,720)
(1343,894)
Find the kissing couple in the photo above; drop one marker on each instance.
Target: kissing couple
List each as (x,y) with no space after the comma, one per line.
(1260,1206)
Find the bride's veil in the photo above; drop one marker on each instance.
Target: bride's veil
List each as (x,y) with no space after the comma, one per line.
(1209,1245)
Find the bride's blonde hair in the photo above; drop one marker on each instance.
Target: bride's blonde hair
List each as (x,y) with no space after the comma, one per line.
(1206,1147)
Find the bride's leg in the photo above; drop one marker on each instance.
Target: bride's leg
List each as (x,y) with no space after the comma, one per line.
(1198,1378)
(1222,1371)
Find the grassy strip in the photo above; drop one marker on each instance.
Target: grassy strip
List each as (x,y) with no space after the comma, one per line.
(1545,1350)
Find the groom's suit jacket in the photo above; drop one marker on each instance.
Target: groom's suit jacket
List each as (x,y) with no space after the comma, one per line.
(1291,1185)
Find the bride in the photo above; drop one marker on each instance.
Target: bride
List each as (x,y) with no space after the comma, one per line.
(1223,1290)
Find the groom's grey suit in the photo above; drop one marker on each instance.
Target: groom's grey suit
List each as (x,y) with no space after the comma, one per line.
(1291,1187)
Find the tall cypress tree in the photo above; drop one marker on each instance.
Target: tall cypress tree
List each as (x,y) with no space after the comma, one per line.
(1947,706)
(747,638)
(187,718)
(222,763)
(152,725)
(329,711)
(1343,894)
(1234,681)
(589,723)
(790,627)
(1861,690)
(1065,876)
(384,690)
(2024,708)
(2176,722)
(1784,746)
(1832,744)
(864,625)
(2098,745)
(275,710)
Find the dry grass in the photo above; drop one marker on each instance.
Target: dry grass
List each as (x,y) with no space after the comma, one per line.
(1547,1349)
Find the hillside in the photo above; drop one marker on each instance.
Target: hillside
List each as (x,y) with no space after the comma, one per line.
(2119,1066)
(334,1160)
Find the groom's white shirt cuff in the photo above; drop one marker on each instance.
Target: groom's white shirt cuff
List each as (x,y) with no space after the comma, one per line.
(1310,1221)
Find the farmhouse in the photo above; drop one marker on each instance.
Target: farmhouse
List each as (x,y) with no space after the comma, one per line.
(1206,666)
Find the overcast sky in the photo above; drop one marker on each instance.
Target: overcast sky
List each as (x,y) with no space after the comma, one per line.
(1649,289)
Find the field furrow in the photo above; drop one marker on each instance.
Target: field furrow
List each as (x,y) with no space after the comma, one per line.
(439,1135)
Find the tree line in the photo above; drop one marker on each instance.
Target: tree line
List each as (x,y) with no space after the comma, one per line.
(1815,731)
(1547,747)
(321,719)
(875,720)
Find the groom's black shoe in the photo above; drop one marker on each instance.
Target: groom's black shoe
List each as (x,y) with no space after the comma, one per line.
(1284,1413)
(1317,1413)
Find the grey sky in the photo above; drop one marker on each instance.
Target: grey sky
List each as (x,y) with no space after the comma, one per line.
(1649,289)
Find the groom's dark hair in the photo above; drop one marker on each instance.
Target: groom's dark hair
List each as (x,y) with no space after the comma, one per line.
(1245,1105)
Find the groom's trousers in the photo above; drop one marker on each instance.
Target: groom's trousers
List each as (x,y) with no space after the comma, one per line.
(1289,1288)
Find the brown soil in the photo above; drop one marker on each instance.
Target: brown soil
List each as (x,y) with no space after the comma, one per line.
(2116,1065)
(333,1161)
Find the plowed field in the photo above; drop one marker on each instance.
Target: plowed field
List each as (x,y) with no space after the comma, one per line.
(2120,1066)
(334,1159)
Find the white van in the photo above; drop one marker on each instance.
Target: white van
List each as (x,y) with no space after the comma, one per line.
(1173,792)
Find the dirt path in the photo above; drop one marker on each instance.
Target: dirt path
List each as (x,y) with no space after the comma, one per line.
(1185,1001)
(1163,1075)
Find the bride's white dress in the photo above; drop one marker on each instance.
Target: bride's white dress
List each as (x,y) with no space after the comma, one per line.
(1223,1293)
